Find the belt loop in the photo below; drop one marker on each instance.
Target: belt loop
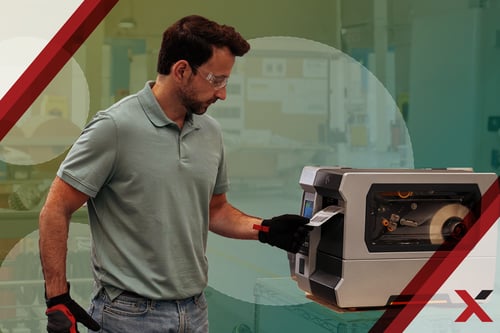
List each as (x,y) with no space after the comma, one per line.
(196,298)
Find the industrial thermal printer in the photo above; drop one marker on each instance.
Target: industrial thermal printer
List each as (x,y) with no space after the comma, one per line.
(374,229)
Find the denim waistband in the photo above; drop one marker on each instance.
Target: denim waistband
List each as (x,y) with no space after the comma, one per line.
(130,294)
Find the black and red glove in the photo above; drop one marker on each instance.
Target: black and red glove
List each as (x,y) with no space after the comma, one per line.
(288,232)
(63,313)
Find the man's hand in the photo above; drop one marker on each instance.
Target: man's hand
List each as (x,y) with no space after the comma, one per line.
(63,313)
(288,232)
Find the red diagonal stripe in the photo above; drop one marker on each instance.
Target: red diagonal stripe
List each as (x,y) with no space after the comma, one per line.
(439,267)
(50,61)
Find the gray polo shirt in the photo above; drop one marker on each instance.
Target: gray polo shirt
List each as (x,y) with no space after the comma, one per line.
(150,186)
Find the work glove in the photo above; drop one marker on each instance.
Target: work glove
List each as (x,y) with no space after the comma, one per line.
(288,232)
(63,313)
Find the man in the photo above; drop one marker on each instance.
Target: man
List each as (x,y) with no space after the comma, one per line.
(152,171)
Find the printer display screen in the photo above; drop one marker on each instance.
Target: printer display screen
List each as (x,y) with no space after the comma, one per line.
(308,208)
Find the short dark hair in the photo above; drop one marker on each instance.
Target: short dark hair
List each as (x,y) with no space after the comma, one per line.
(192,38)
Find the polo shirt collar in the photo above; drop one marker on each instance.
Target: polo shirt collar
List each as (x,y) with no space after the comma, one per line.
(155,113)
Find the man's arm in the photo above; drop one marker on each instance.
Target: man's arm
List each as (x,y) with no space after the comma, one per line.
(228,221)
(62,201)
(288,232)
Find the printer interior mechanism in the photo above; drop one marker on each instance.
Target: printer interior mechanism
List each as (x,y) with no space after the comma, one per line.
(418,218)
(374,229)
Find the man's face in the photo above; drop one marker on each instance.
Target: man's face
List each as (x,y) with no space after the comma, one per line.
(208,84)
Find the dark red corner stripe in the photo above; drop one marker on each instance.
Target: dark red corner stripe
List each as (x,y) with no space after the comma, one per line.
(439,267)
(50,61)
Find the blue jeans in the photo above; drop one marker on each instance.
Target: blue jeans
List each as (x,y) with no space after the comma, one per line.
(133,313)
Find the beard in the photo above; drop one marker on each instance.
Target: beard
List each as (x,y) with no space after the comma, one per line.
(193,105)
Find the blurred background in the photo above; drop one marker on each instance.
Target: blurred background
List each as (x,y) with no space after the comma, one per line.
(357,83)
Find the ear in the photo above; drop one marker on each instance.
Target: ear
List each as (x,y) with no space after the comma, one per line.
(181,69)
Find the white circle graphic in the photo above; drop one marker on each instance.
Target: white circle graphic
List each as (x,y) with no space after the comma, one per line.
(55,119)
(293,102)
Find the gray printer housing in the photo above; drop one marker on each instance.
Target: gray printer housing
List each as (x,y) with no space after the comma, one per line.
(353,261)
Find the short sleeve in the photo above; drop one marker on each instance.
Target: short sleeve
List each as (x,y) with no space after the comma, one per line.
(222,181)
(90,161)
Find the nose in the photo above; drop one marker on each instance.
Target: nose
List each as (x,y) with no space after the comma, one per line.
(221,93)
